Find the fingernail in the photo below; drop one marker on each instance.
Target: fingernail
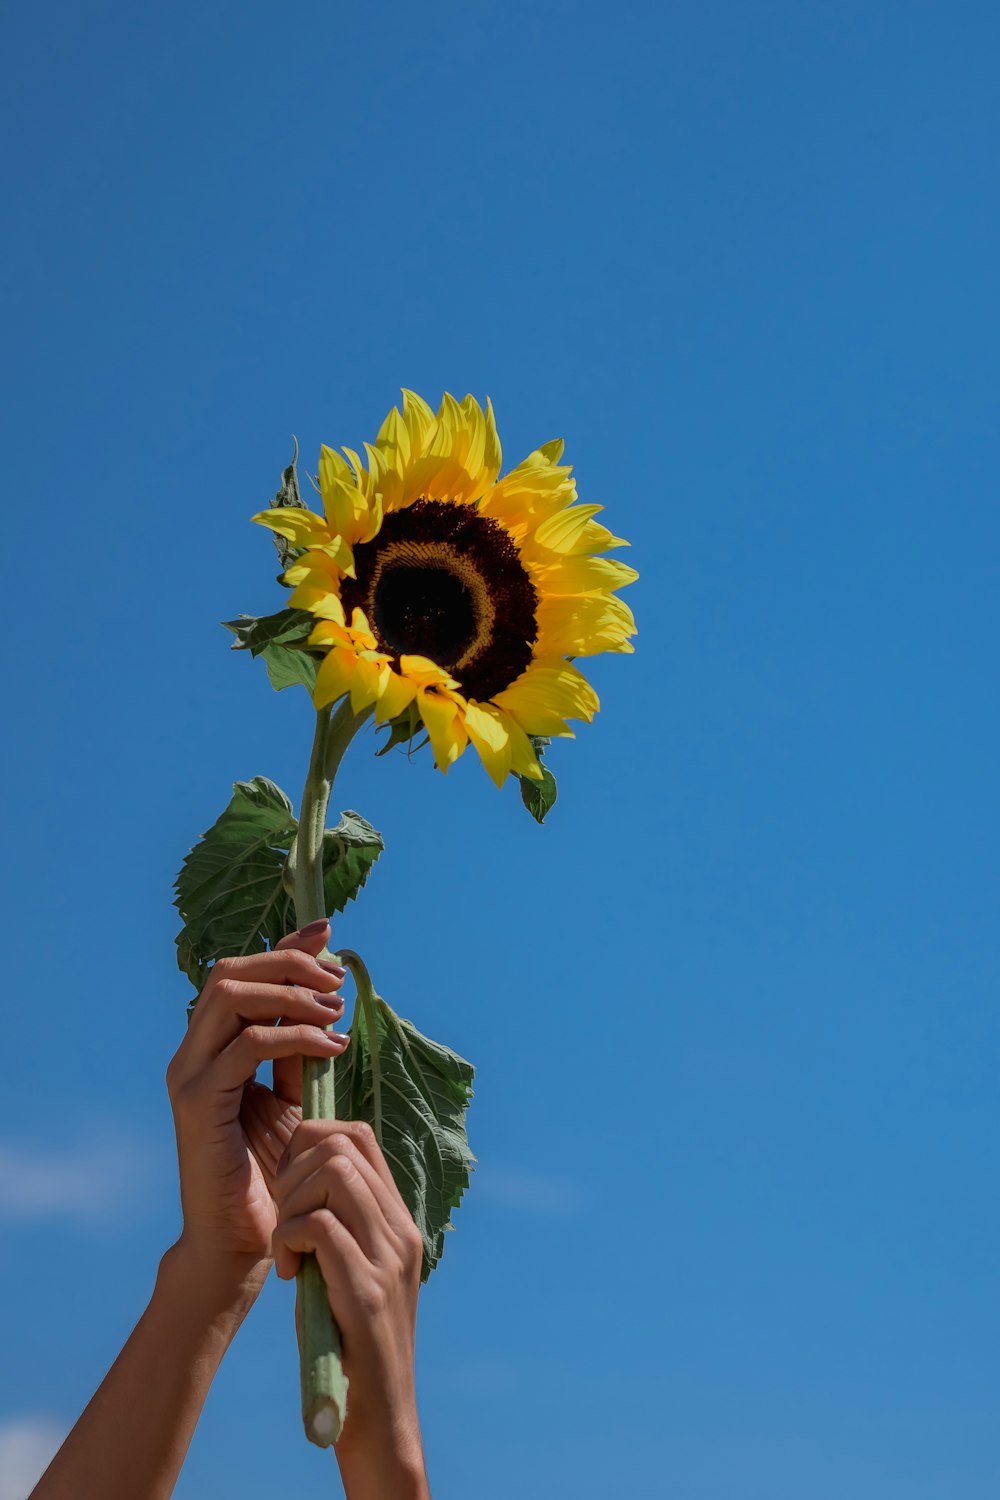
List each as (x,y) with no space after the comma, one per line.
(332,1002)
(312,928)
(336,1038)
(338,969)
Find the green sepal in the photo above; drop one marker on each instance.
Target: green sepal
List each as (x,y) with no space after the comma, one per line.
(288,496)
(425,1089)
(539,797)
(403,730)
(231,890)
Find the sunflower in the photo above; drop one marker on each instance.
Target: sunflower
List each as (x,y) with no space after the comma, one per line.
(443,592)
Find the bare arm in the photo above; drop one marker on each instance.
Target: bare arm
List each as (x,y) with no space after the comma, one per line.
(132,1439)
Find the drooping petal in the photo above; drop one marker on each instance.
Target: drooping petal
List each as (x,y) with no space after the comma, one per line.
(523,759)
(334,677)
(365,681)
(443,720)
(490,734)
(394,694)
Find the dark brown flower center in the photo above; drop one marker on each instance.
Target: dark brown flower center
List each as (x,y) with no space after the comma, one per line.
(442,581)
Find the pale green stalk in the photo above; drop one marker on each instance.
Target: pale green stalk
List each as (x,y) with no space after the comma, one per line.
(324,1384)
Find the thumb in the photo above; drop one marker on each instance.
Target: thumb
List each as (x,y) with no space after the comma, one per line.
(312,939)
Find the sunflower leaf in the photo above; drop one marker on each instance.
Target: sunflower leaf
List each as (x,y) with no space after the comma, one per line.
(281,640)
(229,891)
(254,633)
(290,668)
(539,797)
(232,892)
(349,851)
(424,1091)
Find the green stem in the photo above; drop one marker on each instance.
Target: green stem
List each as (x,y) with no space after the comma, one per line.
(324,1384)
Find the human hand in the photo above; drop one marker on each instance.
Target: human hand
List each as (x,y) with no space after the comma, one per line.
(230,1129)
(336,1198)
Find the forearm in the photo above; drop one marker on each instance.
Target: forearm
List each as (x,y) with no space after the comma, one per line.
(132,1439)
(375,1471)
(380,1452)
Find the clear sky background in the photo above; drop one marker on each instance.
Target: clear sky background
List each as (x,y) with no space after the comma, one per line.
(733,1233)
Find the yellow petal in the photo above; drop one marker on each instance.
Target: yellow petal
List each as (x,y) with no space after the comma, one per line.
(531,493)
(523,759)
(492,454)
(443,720)
(584,575)
(394,441)
(315,595)
(597,538)
(561,532)
(300,527)
(332,561)
(572,625)
(364,682)
(394,694)
(334,677)
(490,735)
(546,694)
(328,633)
(425,673)
(332,466)
(361,631)
(344,505)
(419,420)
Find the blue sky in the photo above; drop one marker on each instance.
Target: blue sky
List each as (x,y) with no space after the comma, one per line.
(733,1009)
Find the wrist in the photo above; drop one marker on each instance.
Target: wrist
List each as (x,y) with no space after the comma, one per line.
(222,1285)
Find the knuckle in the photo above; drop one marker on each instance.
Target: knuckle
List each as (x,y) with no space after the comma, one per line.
(324,1225)
(225,987)
(374,1298)
(363,1133)
(333,1146)
(340,1165)
(222,969)
(414,1241)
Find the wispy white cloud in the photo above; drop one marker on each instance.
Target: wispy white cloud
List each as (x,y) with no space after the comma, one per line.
(529,1192)
(83,1180)
(26,1446)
